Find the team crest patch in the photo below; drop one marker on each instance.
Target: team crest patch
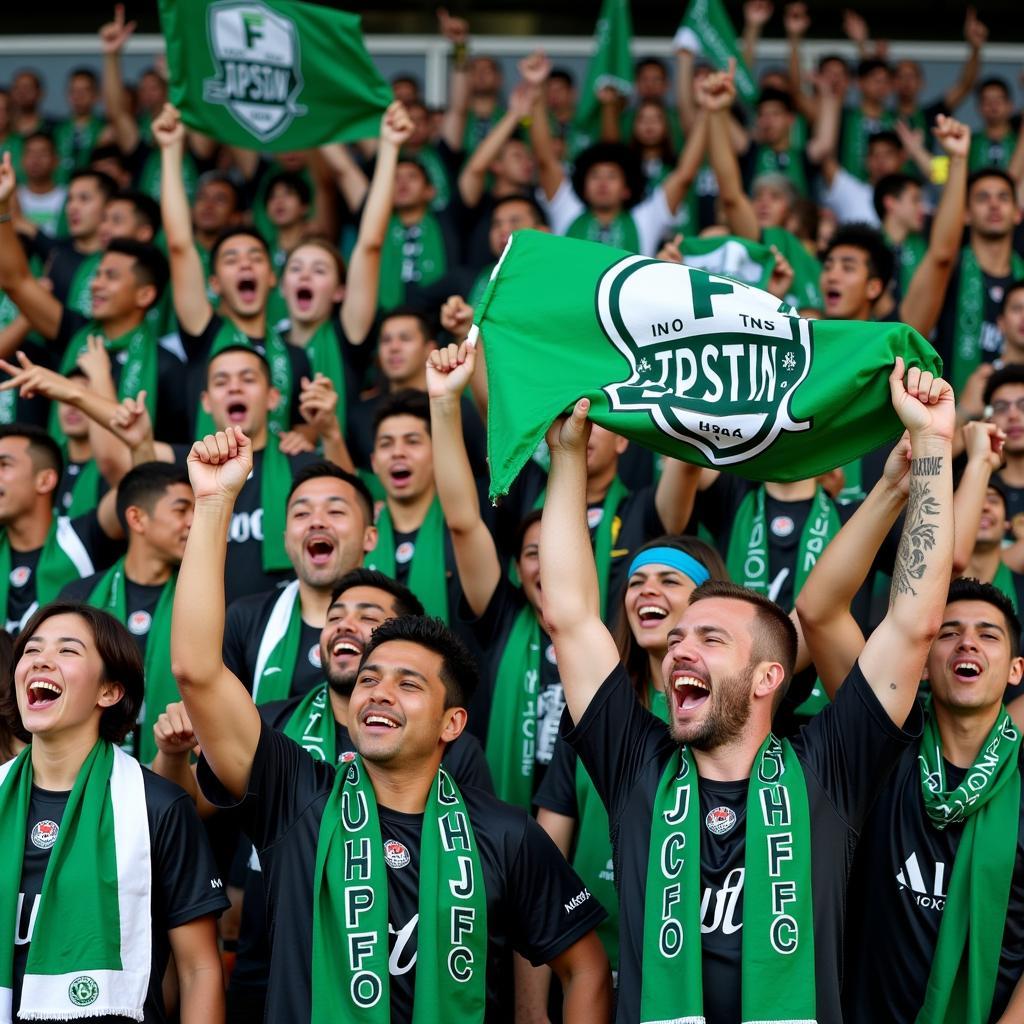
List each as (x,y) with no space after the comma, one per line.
(346,757)
(720,820)
(594,517)
(20,575)
(44,834)
(139,622)
(314,656)
(396,854)
(713,362)
(782,526)
(255,51)
(83,991)
(404,552)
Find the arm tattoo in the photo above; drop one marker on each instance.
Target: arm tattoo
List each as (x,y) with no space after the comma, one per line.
(918,537)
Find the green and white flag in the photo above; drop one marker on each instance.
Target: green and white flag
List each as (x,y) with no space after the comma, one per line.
(707,30)
(611,63)
(271,74)
(730,256)
(690,364)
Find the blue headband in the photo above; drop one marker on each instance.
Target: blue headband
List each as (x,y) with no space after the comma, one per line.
(686,564)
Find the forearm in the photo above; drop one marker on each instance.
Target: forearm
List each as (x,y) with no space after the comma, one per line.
(748,43)
(610,128)
(968,501)
(587,995)
(685,101)
(679,182)
(453,127)
(549,170)
(533,986)
(826,129)
(676,493)
(348,175)
(739,211)
(947,228)
(174,209)
(177,769)
(14,267)
(962,87)
(805,104)
(112,455)
(202,993)
(337,451)
(453,474)
(115,102)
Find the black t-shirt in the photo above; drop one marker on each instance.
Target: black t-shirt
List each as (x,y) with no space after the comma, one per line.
(530,888)
(140,602)
(808,168)
(897,895)
(64,495)
(991,340)
(60,261)
(355,359)
(185,883)
(846,752)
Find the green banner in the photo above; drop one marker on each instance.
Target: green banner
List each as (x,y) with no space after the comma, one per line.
(271,74)
(707,30)
(690,364)
(611,63)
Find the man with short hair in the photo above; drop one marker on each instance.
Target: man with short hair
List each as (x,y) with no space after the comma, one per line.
(899,206)
(993,146)
(408,704)
(771,822)
(26,100)
(870,116)
(77,135)
(40,198)
(970,401)
(1003,404)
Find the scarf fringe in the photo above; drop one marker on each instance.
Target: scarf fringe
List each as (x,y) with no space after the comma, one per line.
(135,1013)
(776,1020)
(678,1020)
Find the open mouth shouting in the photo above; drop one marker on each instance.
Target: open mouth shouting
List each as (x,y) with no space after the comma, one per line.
(688,690)
(967,669)
(651,615)
(400,475)
(319,548)
(237,412)
(304,298)
(247,289)
(42,693)
(346,645)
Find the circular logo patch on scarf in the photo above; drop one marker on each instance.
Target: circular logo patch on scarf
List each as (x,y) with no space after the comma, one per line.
(404,552)
(348,755)
(83,991)
(314,656)
(20,575)
(139,622)
(594,517)
(782,526)
(44,834)
(396,854)
(720,820)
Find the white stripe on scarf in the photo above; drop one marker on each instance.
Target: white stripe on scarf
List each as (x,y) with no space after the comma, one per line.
(277,626)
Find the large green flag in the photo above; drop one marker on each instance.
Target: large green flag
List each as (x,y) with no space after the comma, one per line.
(611,63)
(271,74)
(706,29)
(694,365)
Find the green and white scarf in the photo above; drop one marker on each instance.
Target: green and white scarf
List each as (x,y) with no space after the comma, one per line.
(747,560)
(92,934)
(789,162)
(324,355)
(731,256)
(428,576)
(605,536)
(275,482)
(986,152)
(962,981)
(85,490)
(909,254)
(350,910)
(79,297)
(621,233)
(411,255)
(279,648)
(312,725)
(856,130)
(161,687)
(970,314)
(806,288)
(777,964)
(512,732)
(74,145)
(63,558)
(430,160)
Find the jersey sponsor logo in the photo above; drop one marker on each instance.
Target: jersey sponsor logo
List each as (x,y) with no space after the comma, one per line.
(720,820)
(594,517)
(20,575)
(44,834)
(83,991)
(404,552)
(313,656)
(139,622)
(255,51)
(577,901)
(718,907)
(67,499)
(246,526)
(713,362)
(396,854)
(929,894)
(216,883)
(782,526)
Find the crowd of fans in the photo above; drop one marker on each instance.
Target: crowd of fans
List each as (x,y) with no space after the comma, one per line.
(244,540)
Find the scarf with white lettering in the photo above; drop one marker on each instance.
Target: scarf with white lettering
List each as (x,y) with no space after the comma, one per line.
(350,909)
(962,981)
(92,933)
(312,725)
(413,254)
(777,961)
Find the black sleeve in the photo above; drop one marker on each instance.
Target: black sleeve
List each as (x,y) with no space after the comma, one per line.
(468,766)
(284,781)
(616,739)
(643,506)
(491,627)
(79,590)
(71,322)
(184,872)
(40,245)
(851,746)
(557,790)
(197,346)
(238,633)
(549,908)
(103,550)
(300,368)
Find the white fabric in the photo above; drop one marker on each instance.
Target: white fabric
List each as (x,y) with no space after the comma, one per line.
(72,546)
(850,199)
(277,626)
(43,208)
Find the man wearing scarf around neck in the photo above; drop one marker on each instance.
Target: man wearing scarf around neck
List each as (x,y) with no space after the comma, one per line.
(719,809)
(106,871)
(343,848)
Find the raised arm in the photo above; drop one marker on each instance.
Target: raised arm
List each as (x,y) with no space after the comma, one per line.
(756,14)
(976,34)
(550,173)
(895,653)
(825,140)
(473,177)
(686,102)
(675,494)
(457,320)
(476,556)
(348,175)
(113,37)
(223,715)
(360,305)
(191,306)
(585,649)
(797,21)
(984,445)
(453,127)
(679,182)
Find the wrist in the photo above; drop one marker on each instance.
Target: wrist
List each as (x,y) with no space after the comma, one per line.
(929,442)
(215,506)
(446,404)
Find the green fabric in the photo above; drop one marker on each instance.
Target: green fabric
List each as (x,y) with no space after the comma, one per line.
(962,981)
(479,127)
(476,292)
(324,352)
(350,892)
(853,486)
(275,482)
(276,76)
(312,725)
(621,233)
(986,152)
(789,162)
(428,576)
(566,319)
(110,595)
(84,491)
(970,314)
(512,729)
(731,256)
(805,291)
(709,31)
(430,160)
(74,145)
(79,296)
(1003,580)
(411,255)
(605,536)
(279,647)
(777,961)
(855,131)
(54,569)
(909,254)
(611,64)
(149,176)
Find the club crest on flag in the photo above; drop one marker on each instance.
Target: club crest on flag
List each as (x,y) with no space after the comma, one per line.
(713,362)
(259,78)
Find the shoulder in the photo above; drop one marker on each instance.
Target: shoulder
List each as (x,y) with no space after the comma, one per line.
(162,797)
(492,819)
(79,590)
(253,606)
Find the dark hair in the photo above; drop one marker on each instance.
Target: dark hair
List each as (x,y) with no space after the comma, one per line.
(33,136)
(144,485)
(990,172)
(610,153)
(531,517)
(563,75)
(425,325)
(7,736)
(869,64)
(418,164)
(807,216)
(1014,286)
(32,73)
(122,664)
(83,72)
(233,232)
(631,654)
(326,245)
(650,62)
(458,670)
(769,94)
(216,177)
(967,588)
(146,208)
(829,58)
(993,82)
(293,181)
(108,151)
(264,362)
(892,185)
(326,468)
(407,402)
(406,602)
(870,241)
(104,182)
(775,638)
(405,76)
(150,263)
(884,137)
(667,153)
(1012,373)
(535,208)
(44,452)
